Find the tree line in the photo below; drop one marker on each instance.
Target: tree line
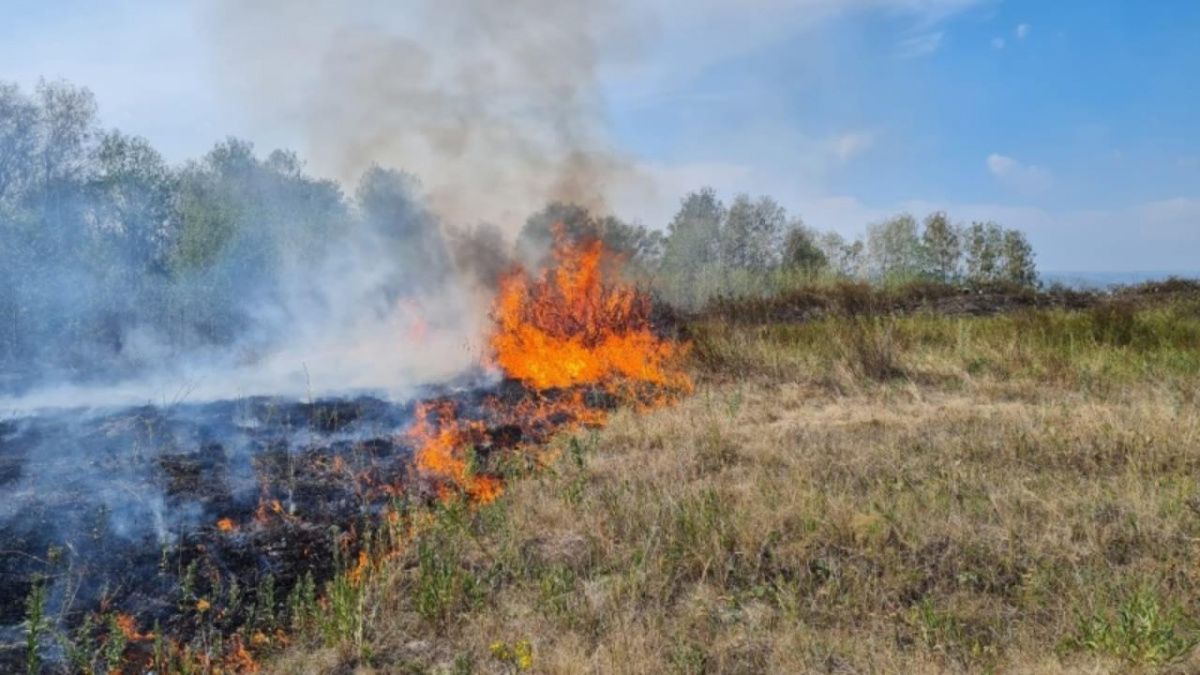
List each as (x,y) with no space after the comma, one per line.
(112,259)
(752,246)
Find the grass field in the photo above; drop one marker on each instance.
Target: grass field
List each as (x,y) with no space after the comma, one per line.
(860,492)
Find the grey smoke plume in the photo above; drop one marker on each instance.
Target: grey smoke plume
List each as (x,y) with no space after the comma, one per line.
(247,277)
(495,106)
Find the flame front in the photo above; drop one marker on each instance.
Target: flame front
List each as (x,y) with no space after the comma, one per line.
(560,333)
(443,448)
(568,327)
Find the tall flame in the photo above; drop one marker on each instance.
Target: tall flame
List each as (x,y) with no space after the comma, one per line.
(570,327)
(559,332)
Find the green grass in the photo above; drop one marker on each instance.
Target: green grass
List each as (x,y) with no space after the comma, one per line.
(1109,345)
(1141,627)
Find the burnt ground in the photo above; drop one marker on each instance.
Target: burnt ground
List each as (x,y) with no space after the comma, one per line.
(147,511)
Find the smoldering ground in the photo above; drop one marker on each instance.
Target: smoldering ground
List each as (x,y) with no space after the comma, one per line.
(197,288)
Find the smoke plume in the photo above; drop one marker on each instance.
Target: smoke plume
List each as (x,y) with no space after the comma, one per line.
(494,106)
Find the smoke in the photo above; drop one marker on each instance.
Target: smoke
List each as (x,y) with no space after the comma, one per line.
(495,106)
(240,276)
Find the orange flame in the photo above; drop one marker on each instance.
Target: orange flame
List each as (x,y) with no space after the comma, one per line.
(226,525)
(567,329)
(443,447)
(238,659)
(570,326)
(128,627)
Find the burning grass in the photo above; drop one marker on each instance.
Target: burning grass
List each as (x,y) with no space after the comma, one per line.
(1016,494)
(353,487)
(567,333)
(570,326)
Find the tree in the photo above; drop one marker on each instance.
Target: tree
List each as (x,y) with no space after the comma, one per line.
(751,234)
(800,250)
(1017,256)
(536,237)
(942,244)
(134,189)
(692,252)
(984,242)
(894,249)
(644,247)
(391,207)
(18,142)
(694,234)
(67,119)
(480,252)
(845,258)
(641,246)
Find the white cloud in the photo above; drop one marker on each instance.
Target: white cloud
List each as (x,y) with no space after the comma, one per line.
(921,45)
(850,145)
(998,43)
(1023,177)
(1170,218)
(1022,31)
(1000,165)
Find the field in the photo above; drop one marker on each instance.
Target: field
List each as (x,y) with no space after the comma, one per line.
(861,492)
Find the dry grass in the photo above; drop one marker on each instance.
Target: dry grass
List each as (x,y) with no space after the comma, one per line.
(922,494)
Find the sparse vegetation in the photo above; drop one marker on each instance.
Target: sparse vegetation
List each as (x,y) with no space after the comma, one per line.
(864,491)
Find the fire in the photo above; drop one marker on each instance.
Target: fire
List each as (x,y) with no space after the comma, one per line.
(571,340)
(360,570)
(444,446)
(570,326)
(128,627)
(238,659)
(560,333)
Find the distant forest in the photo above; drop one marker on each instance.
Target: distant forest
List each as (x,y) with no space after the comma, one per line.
(111,259)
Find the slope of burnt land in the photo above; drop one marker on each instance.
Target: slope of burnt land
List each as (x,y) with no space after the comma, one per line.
(859,298)
(197,517)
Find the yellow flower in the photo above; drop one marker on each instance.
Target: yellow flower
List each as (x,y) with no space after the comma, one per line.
(202,605)
(524,658)
(499,651)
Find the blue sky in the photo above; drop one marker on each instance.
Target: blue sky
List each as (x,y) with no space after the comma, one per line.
(1073,120)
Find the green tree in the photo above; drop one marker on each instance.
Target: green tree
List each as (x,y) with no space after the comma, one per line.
(134,190)
(984,247)
(845,258)
(67,124)
(751,236)
(1017,259)
(641,246)
(942,244)
(894,249)
(801,252)
(691,257)
(390,205)
(694,234)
